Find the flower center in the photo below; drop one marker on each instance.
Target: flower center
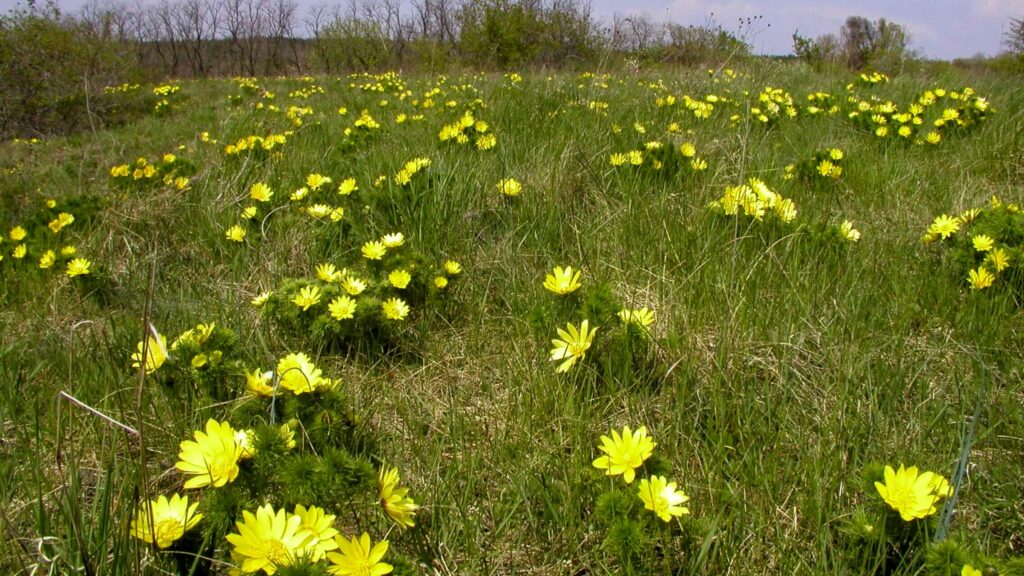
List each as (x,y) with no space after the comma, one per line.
(277,553)
(222,466)
(167,530)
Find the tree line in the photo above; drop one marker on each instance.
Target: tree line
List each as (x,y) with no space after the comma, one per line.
(199,38)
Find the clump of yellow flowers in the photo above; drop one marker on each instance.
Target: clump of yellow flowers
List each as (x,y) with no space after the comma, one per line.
(468,129)
(984,243)
(624,453)
(755,199)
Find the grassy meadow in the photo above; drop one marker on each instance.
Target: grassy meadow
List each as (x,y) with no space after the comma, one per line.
(790,359)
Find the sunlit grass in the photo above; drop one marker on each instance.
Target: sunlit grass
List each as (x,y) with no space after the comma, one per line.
(784,358)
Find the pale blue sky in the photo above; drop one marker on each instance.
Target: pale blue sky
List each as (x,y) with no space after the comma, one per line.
(939,28)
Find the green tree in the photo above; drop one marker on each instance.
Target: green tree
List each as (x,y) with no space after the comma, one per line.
(55,70)
(352,43)
(881,45)
(1014,37)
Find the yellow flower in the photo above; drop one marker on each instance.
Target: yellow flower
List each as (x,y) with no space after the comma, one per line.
(261,298)
(968,216)
(78,267)
(911,494)
(562,281)
(625,453)
(68,251)
(354,286)
(374,250)
(356,557)
(940,486)
(319,211)
(848,231)
(212,459)
(399,278)
(20,251)
(395,500)
(440,282)
(572,345)
(486,142)
(347,186)
(395,309)
(257,383)
(509,186)
(933,138)
(327,272)
(982,243)
(307,296)
(449,132)
(246,439)
(298,373)
(236,233)
(198,335)
(156,352)
(17,234)
(342,308)
(635,157)
(63,219)
(393,240)
(248,213)
(47,259)
(980,278)
(617,159)
(320,527)
(998,259)
(315,181)
(826,167)
(944,226)
(260,192)
(452,268)
(662,498)
(785,209)
(164,521)
(268,540)
(969,570)
(299,194)
(644,317)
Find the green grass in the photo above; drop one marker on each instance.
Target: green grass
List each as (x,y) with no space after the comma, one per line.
(783,363)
